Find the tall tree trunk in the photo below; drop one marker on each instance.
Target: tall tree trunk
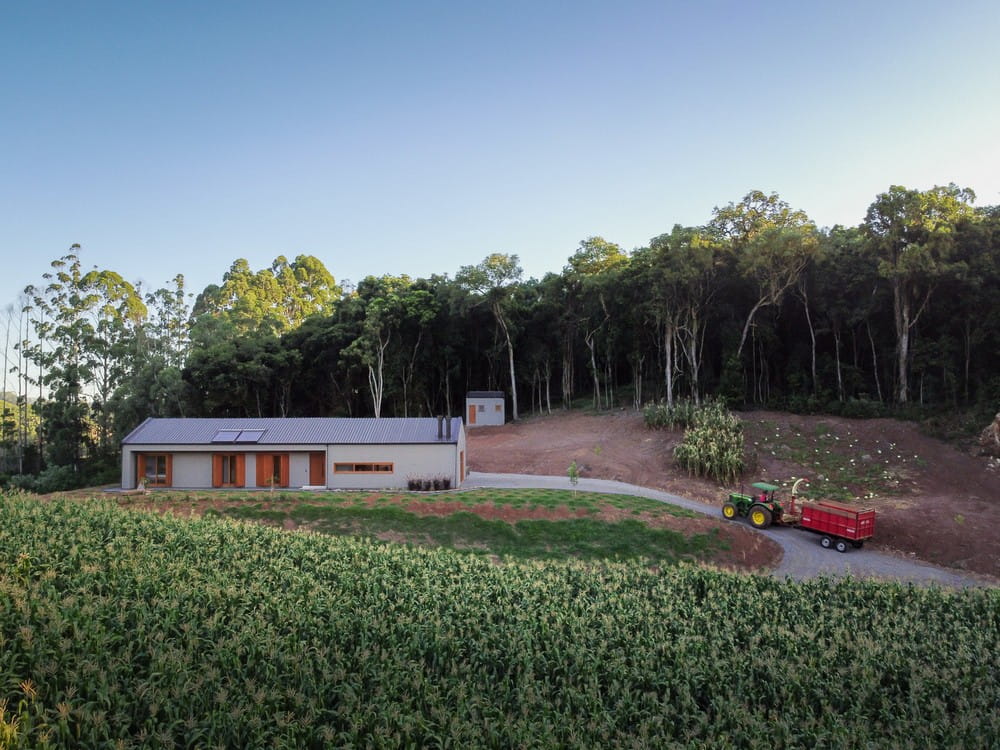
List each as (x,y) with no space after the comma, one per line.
(637,382)
(376,379)
(3,394)
(967,340)
(589,340)
(22,391)
(901,317)
(609,383)
(836,350)
(408,372)
(548,385)
(669,335)
(567,373)
(871,340)
(510,360)
(746,326)
(692,344)
(812,339)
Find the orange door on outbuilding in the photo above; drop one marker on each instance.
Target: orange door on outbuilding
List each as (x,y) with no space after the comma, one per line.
(472,413)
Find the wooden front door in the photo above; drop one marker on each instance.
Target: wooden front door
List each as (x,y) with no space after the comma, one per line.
(472,413)
(317,468)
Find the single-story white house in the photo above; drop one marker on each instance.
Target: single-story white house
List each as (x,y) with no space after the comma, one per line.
(335,453)
(485,408)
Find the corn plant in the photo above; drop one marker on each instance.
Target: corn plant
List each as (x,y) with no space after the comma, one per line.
(125,629)
(713,444)
(664,416)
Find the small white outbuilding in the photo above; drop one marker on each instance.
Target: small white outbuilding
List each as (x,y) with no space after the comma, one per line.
(485,408)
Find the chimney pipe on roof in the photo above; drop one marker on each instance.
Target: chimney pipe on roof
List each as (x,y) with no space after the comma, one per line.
(439,419)
(448,427)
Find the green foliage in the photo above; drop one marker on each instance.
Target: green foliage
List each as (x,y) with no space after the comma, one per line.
(755,306)
(713,445)
(51,479)
(273,299)
(664,416)
(129,629)
(913,233)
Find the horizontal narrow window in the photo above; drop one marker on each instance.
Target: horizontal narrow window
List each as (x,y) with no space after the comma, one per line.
(362,468)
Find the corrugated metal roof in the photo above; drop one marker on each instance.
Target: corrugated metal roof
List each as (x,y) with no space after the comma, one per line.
(485,394)
(296,431)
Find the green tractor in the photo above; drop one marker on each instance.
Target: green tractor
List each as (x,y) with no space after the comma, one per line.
(761,507)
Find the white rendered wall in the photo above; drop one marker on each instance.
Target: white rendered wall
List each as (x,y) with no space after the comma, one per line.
(488,416)
(417,461)
(191,466)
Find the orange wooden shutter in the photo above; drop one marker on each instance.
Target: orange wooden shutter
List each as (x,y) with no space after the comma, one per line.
(216,470)
(241,470)
(284,470)
(264,463)
(170,470)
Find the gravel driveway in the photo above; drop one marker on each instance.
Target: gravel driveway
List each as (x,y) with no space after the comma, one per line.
(803,557)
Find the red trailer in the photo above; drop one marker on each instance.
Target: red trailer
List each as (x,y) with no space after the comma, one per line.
(839,524)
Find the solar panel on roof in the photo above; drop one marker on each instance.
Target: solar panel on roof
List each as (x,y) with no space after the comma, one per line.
(250,436)
(226,436)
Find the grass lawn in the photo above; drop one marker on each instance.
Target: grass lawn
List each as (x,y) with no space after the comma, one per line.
(506,523)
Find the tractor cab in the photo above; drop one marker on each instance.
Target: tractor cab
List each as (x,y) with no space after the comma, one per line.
(764,492)
(760,506)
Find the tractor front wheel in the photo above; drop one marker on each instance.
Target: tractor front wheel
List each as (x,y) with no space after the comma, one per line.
(825,542)
(729,511)
(760,517)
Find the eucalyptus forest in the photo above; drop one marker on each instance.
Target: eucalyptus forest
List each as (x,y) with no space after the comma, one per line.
(757,306)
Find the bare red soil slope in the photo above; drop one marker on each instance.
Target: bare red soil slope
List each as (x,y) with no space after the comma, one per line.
(936,503)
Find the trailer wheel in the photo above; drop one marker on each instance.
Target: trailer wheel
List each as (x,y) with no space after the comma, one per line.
(760,517)
(825,542)
(841,545)
(858,545)
(729,511)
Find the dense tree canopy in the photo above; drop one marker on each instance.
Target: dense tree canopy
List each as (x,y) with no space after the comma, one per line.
(757,305)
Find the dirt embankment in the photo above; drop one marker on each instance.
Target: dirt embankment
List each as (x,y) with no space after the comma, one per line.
(936,503)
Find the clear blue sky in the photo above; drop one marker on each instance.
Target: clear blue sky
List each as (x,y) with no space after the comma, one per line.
(174,137)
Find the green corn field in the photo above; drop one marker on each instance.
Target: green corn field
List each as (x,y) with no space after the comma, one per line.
(123,629)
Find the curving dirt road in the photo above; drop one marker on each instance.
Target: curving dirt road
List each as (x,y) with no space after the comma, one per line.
(803,557)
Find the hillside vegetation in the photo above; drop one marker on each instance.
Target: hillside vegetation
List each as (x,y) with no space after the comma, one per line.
(756,305)
(128,629)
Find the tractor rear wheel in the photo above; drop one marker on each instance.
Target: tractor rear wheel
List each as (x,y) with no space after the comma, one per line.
(825,542)
(760,517)
(729,511)
(841,545)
